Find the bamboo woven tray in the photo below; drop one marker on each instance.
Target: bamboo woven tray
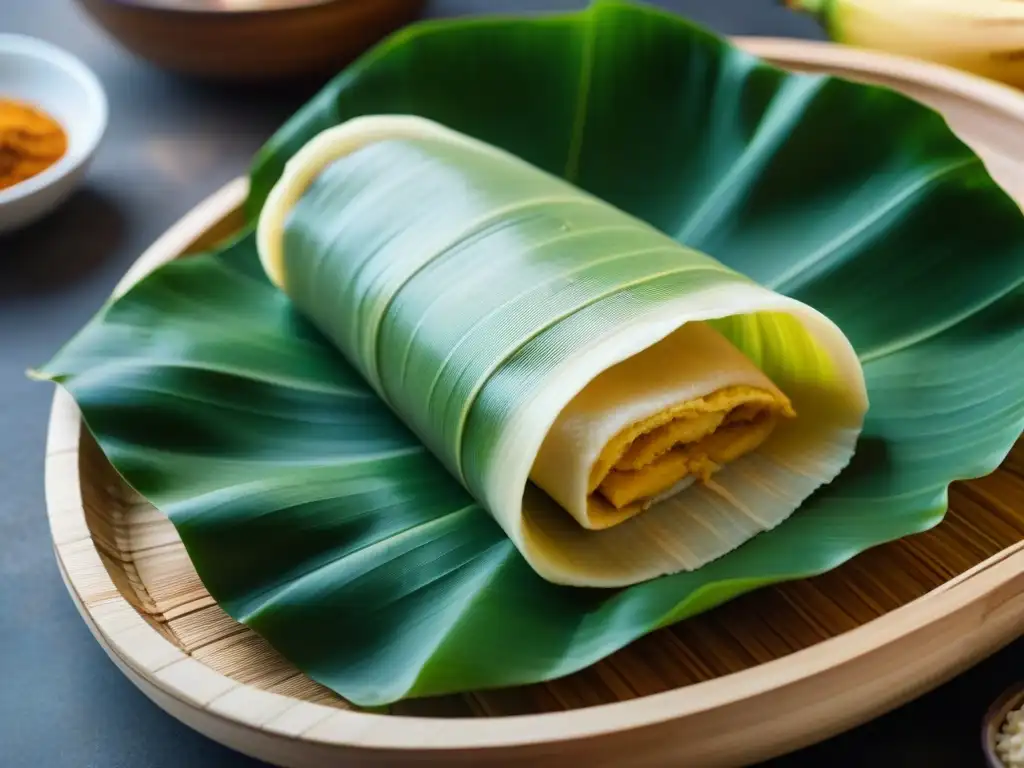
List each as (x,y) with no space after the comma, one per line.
(767,673)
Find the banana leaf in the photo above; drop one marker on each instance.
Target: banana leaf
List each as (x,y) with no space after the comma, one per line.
(316,517)
(483,297)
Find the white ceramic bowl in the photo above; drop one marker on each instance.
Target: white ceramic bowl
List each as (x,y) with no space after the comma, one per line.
(52,79)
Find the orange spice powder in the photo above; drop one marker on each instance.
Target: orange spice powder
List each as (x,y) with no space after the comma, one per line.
(30,142)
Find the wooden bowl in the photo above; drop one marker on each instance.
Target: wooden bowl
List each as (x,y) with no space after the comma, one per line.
(1010,699)
(767,673)
(265,39)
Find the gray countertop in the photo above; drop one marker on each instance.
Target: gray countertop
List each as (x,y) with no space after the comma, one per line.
(171,143)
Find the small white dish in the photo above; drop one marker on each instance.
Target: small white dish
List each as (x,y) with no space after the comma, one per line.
(53,80)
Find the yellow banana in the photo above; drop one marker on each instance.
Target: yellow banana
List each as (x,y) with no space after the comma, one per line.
(985,37)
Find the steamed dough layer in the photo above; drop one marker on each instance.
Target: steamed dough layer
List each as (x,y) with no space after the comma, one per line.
(647,428)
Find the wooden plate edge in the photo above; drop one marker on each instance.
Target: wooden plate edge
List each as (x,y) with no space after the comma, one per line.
(985,604)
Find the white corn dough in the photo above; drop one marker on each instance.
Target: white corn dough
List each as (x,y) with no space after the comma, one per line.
(555,434)
(692,362)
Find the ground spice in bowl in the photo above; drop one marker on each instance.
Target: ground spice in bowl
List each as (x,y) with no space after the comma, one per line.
(30,142)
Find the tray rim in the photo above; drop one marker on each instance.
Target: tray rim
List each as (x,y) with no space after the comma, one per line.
(986,602)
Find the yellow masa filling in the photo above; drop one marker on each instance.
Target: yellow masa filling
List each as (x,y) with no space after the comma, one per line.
(685,442)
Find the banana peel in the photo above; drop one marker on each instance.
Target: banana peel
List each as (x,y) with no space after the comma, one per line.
(983,37)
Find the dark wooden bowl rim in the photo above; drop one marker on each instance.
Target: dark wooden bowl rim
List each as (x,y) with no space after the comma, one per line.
(207,8)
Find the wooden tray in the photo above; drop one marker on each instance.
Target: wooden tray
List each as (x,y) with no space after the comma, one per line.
(767,673)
